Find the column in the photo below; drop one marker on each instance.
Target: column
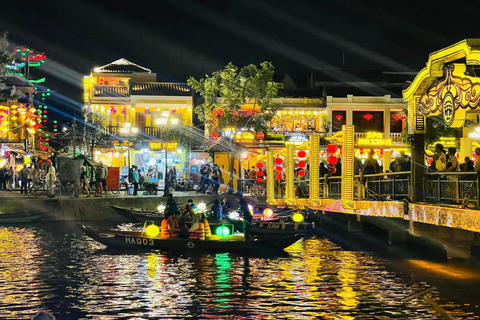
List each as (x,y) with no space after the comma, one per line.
(386,123)
(270,170)
(289,175)
(465,149)
(386,159)
(348,155)
(314,172)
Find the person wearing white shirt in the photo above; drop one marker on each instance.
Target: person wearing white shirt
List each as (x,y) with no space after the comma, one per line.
(51,176)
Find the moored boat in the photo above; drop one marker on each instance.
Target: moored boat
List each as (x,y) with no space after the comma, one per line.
(138,240)
(137,215)
(21,217)
(274,228)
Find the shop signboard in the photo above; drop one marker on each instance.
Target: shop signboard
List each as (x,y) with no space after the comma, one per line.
(113,178)
(124,144)
(296,138)
(245,137)
(374,139)
(170,146)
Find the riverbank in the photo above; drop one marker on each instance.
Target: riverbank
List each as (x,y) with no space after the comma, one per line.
(92,208)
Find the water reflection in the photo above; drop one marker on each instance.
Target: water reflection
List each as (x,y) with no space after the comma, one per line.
(76,278)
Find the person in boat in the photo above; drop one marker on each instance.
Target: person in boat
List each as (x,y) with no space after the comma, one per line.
(188,210)
(226,206)
(197,230)
(172,204)
(216,212)
(246,215)
(170,227)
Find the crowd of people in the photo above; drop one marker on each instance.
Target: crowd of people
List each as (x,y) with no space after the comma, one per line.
(446,161)
(27,176)
(190,222)
(210,179)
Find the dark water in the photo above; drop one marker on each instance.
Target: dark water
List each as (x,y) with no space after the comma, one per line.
(56,268)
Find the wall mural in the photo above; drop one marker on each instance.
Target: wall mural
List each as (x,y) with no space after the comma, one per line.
(452,96)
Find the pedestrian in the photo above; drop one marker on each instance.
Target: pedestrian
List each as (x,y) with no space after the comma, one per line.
(215,179)
(10,176)
(3,185)
(99,177)
(34,173)
(24,179)
(84,181)
(135,180)
(371,164)
(52,177)
(104,180)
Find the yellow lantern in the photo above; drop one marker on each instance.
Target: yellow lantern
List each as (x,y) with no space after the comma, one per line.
(297,217)
(267,213)
(152,230)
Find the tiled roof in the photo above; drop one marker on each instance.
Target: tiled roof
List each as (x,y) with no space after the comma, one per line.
(122,66)
(161,89)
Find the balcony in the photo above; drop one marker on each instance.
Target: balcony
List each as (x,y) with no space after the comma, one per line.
(150,132)
(100,91)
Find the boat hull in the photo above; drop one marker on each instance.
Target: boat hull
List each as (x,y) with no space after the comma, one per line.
(23,217)
(135,241)
(273,228)
(137,215)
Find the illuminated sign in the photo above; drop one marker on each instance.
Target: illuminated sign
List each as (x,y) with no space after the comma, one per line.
(170,146)
(245,137)
(299,137)
(374,139)
(125,144)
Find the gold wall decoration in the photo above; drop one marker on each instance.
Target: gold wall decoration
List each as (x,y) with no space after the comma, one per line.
(452,96)
(314,183)
(348,155)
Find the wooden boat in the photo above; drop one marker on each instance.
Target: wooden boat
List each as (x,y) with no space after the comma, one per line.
(137,240)
(274,228)
(21,217)
(137,215)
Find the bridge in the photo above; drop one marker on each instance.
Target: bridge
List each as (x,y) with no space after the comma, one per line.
(442,206)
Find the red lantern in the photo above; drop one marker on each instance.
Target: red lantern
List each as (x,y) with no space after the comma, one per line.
(259,173)
(261,135)
(259,180)
(220,112)
(278,161)
(332,148)
(301,164)
(332,160)
(279,169)
(259,165)
(301,173)
(215,135)
(302,154)
(279,176)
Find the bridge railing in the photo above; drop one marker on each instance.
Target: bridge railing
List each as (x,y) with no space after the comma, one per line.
(451,187)
(388,185)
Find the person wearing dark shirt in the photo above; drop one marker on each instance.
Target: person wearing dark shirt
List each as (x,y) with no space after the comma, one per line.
(171,205)
(323,170)
(225,206)
(216,211)
(245,211)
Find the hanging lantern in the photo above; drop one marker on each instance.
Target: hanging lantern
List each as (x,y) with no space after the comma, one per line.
(279,176)
(259,173)
(301,173)
(279,169)
(301,164)
(332,160)
(215,135)
(259,180)
(220,112)
(259,165)
(332,148)
(261,135)
(278,161)
(302,154)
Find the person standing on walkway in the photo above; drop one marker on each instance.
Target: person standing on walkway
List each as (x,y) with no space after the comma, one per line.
(84,181)
(3,185)
(24,179)
(9,178)
(104,180)
(51,176)
(135,180)
(99,177)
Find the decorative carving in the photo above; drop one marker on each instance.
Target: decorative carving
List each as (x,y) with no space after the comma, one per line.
(452,96)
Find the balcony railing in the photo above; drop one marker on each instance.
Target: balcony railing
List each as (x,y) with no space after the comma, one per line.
(100,91)
(396,137)
(152,132)
(456,187)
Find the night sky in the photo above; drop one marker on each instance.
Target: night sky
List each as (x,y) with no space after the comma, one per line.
(177,39)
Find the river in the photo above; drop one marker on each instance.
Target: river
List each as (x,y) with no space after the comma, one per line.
(54,267)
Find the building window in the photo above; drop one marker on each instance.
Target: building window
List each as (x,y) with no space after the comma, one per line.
(396,121)
(339,118)
(366,121)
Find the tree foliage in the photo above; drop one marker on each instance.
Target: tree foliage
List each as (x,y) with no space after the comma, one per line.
(226,90)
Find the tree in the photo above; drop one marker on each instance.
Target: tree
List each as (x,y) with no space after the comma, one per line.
(227,90)
(94,128)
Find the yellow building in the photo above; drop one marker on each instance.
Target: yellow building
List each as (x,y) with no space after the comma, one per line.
(137,109)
